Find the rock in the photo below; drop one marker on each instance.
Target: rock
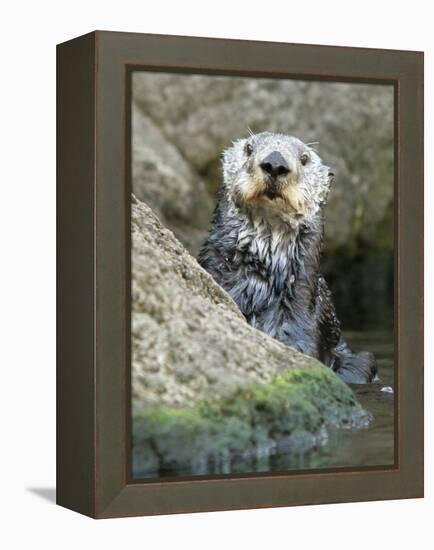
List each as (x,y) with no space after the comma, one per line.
(205,383)
(194,117)
(201,115)
(164,179)
(186,330)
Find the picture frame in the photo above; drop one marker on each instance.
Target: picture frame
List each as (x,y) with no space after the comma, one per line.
(94,266)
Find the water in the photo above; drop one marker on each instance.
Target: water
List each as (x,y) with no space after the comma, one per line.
(373,446)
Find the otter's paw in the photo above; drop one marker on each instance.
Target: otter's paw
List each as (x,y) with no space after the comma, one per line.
(357,368)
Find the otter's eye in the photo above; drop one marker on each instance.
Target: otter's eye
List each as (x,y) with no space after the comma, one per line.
(304,159)
(249,149)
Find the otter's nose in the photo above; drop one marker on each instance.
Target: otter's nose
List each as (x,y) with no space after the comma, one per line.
(275,165)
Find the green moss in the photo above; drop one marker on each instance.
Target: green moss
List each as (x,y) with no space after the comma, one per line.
(245,426)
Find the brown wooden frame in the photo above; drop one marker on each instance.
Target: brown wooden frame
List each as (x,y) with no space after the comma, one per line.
(93,366)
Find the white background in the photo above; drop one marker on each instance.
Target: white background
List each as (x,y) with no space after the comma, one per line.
(29,32)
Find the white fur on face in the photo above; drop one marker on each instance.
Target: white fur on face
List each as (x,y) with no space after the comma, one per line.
(303,191)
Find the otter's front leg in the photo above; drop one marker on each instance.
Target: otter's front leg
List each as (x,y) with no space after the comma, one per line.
(301,335)
(353,368)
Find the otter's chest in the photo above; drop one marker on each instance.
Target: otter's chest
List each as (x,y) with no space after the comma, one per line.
(266,268)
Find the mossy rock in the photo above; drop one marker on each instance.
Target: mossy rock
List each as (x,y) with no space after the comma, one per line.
(241,431)
(210,393)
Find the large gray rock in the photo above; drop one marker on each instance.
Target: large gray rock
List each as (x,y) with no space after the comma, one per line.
(211,393)
(163,178)
(189,338)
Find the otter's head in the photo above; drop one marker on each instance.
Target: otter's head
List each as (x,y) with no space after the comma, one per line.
(276,177)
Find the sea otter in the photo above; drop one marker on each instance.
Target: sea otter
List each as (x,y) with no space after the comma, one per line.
(265,244)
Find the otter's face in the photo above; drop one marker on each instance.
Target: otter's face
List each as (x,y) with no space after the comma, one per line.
(276,176)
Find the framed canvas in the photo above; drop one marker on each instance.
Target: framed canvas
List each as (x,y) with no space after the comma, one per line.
(240,274)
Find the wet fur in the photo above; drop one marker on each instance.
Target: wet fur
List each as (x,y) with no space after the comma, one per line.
(266,253)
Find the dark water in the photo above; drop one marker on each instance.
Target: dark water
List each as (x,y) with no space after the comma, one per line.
(372,446)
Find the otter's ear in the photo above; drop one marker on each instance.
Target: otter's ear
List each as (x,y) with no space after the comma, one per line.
(329,179)
(229,162)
